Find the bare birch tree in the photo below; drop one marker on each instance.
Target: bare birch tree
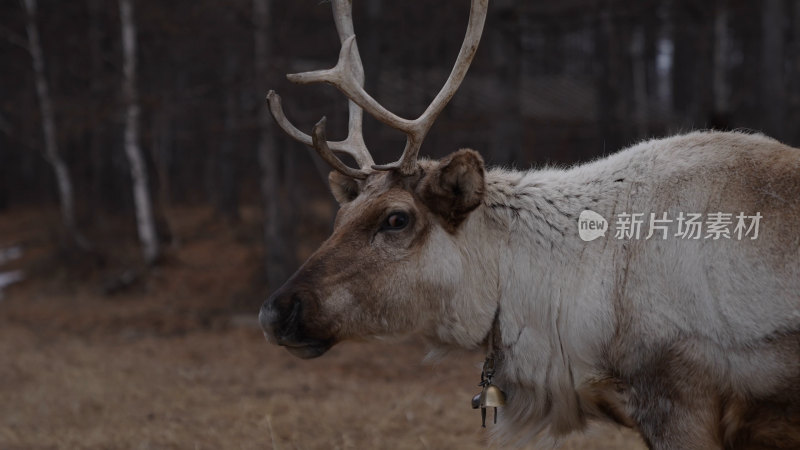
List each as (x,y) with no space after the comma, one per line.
(51,153)
(141,194)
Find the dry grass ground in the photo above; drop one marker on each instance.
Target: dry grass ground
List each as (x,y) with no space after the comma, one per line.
(172,364)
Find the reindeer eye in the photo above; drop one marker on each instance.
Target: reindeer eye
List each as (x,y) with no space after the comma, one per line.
(395,221)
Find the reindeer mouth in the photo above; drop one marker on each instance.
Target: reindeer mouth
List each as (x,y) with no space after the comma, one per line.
(282,324)
(295,338)
(308,349)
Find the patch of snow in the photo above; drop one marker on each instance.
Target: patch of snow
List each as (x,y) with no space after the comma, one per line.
(9,278)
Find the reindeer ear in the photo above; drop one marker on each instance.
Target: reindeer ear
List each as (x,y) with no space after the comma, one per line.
(455,186)
(344,188)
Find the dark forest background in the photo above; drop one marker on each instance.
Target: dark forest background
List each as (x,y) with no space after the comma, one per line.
(553,82)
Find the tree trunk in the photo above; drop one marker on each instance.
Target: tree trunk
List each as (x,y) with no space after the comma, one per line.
(722,50)
(159,151)
(102,170)
(277,252)
(639,77)
(504,38)
(141,195)
(5,128)
(794,77)
(692,74)
(609,95)
(228,197)
(664,64)
(51,154)
(773,90)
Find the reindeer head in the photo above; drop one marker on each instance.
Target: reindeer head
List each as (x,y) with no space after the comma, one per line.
(366,278)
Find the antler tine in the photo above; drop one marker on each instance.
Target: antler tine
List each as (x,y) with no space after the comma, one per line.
(353,145)
(348,76)
(477,17)
(338,76)
(343,17)
(415,130)
(321,145)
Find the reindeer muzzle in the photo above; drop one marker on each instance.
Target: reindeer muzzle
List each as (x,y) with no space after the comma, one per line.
(283,319)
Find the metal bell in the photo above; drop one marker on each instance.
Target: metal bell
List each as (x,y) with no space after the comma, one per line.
(491,397)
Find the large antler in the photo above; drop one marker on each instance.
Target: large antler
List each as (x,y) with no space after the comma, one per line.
(348,76)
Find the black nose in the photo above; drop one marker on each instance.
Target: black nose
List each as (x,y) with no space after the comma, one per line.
(291,318)
(281,315)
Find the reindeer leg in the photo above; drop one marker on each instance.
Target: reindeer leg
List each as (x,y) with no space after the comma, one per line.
(676,407)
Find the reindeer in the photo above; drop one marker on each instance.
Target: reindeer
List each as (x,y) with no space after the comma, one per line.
(694,343)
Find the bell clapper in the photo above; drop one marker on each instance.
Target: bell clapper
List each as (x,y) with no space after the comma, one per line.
(490,396)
